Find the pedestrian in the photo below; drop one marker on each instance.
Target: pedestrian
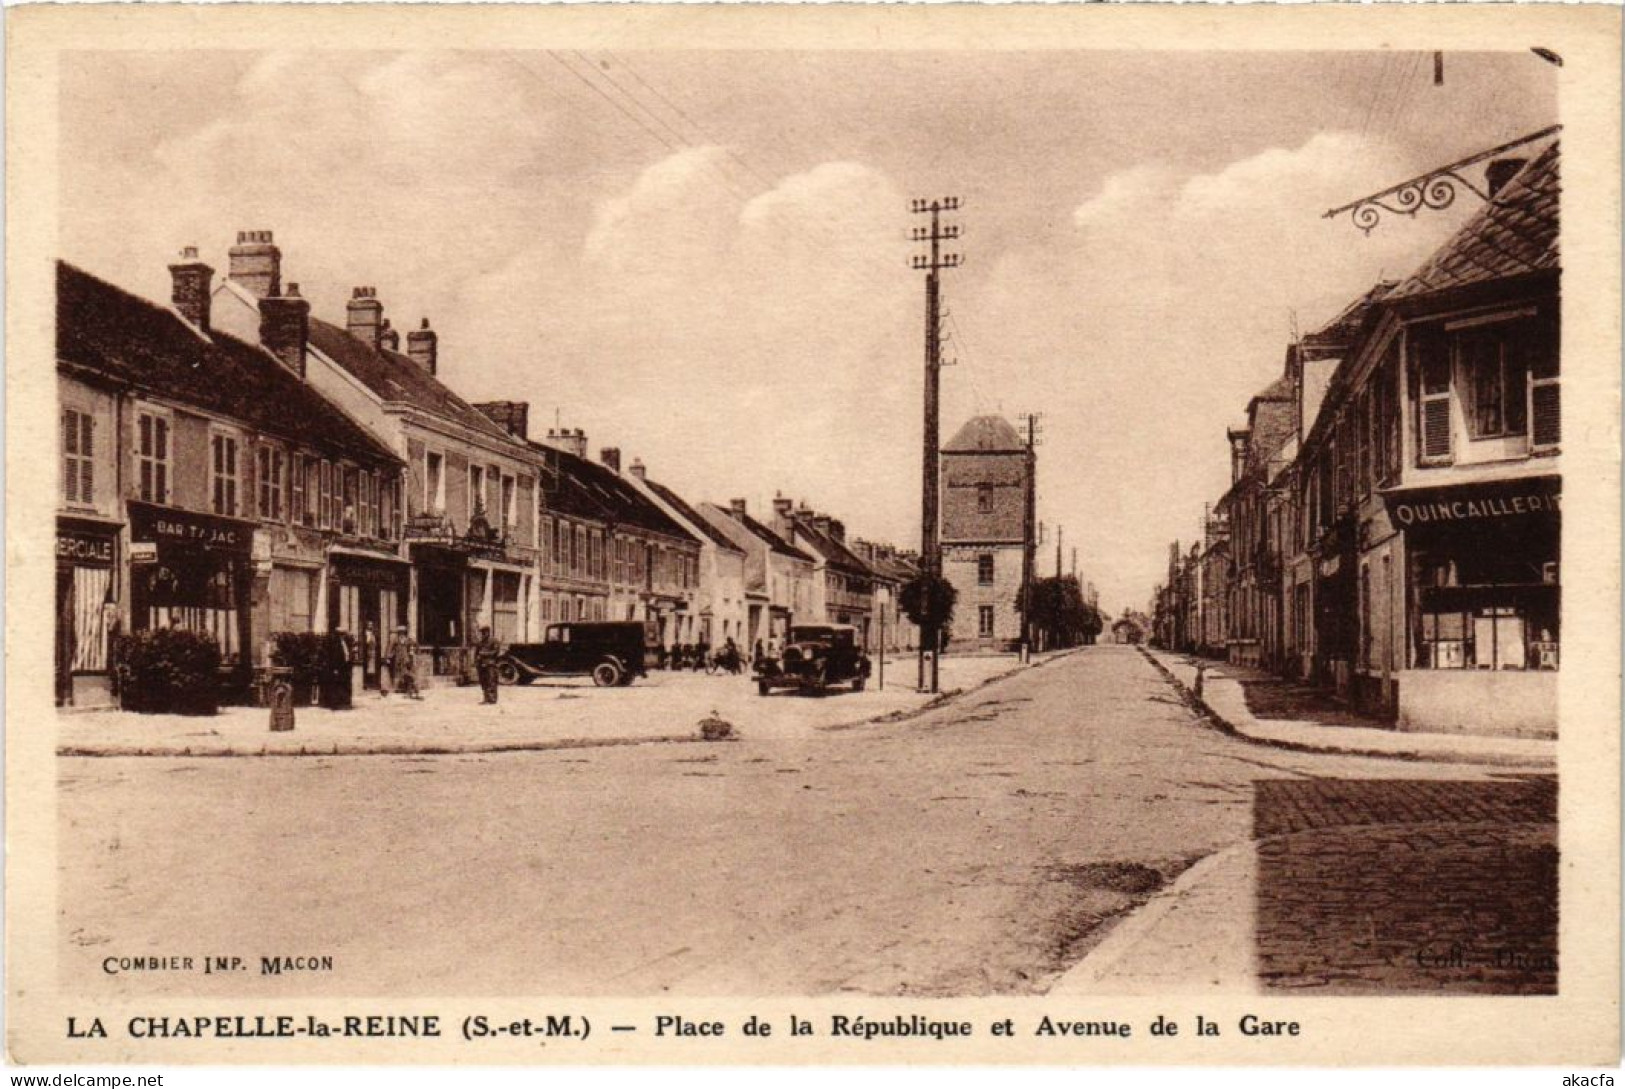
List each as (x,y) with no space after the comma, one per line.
(759,653)
(487,653)
(403,664)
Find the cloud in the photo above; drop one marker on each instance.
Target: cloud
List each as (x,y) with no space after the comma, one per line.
(1171,299)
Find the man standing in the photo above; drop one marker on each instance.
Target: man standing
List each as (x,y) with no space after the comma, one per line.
(403,665)
(487,652)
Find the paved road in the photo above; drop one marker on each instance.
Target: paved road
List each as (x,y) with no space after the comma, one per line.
(980,849)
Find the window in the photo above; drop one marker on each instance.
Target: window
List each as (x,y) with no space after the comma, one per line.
(324,498)
(1497,373)
(476,490)
(223,474)
(984,621)
(270,482)
(509,486)
(348,489)
(984,498)
(434,483)
(152,457)
(1365,426)
(984,569)
(1434,443)
(78,483)
(388,507)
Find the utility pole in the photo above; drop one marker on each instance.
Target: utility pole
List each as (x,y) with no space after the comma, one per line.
(1060,535)
(1029,546)
(930,544)
(1074,561)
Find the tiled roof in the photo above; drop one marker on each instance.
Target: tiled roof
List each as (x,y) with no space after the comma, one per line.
(107,330)
(694,517)
(1341,330)
(756,529)
(990,433)
(395,377)
(584,489)
(1513,234)
(836,554)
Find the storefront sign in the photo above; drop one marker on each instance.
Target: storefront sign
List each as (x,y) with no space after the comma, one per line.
(169,526)
(84,549)
(1470,503)
(143,552)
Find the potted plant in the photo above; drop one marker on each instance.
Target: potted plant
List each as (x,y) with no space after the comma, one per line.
(300,651)
(169,670)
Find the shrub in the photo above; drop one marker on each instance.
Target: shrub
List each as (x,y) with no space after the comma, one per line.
(300,651)
(169,670)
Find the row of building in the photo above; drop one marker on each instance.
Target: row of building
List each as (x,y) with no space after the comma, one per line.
(1392,529)
(231,463)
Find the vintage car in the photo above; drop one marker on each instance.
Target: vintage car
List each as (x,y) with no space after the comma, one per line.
(612,652)
(816,657)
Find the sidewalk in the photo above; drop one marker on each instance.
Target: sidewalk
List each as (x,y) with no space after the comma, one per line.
(1247,702)
(567,713)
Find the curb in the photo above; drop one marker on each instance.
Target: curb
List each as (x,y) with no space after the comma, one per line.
(1202,708)
(340,749)
(1130,930)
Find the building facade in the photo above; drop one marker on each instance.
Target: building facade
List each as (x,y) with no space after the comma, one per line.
(205,484)
(469,534)
(778,576)
(987,476)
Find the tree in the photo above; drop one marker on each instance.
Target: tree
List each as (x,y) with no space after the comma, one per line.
(928,600)
(1061,617)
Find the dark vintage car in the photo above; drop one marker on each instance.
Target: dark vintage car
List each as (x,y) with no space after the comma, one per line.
(613,652)
(816,657)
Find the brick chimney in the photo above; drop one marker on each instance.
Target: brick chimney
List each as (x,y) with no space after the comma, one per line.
(191,280)
(1501,171)
(256,264)
(365,316)
(638,469)
(782,510)
(821,522)
(389,338)
(737,507)
(284,328)
(837,529)
(423,345)
(512,416)
(611,456)
(571,442)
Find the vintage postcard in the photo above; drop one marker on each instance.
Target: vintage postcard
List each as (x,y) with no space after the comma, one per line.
(859,534)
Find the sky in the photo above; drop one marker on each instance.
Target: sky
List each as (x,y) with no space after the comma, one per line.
(702,258)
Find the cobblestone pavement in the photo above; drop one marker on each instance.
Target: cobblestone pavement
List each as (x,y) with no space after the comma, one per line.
(1395,886)
(983,847)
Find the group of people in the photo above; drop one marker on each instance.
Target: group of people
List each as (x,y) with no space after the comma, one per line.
(697,656)
(399,670)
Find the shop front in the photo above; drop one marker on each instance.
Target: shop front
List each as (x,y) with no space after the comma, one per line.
(86,610)
(442,629)
(367,599)
(1483,605)
(194,571)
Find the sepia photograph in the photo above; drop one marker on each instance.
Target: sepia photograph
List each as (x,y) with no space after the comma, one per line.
(709,511)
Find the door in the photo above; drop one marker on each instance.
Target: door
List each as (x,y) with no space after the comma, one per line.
(64,635)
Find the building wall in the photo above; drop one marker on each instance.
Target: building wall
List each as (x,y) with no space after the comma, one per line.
(960,566)
(970,481)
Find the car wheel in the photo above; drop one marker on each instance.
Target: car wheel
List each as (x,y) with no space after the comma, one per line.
(763,688)
(606,674)
(508,673)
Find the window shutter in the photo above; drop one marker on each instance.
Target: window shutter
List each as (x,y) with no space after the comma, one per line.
(70,443)
(1435,428)
(86,462)
(1545,427)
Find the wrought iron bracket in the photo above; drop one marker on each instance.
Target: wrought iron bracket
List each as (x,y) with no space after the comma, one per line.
(1434,190)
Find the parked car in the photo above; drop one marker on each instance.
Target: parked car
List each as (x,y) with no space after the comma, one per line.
(612,652)
(815,657)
